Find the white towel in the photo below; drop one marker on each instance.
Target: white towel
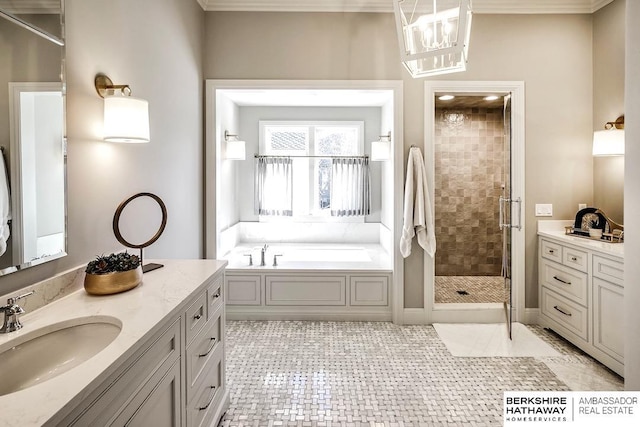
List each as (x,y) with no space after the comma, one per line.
(5,206)
(418,212)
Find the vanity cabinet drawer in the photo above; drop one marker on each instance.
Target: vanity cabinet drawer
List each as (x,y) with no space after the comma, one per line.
(608,269)
(154,360)
(214,294)
(201,351)
(196,317)
(550,250)
(202,407)
(574,258)
(565,312)
(566,281)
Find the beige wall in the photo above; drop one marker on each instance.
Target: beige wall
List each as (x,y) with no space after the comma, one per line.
(551,53)
(156,47)
(608,103)
(632,198)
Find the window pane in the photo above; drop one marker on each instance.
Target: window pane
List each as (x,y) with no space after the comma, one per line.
(337,141)
(331,141)
(323,168)
(287,139)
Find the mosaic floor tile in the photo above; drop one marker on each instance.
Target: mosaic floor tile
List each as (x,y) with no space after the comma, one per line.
(477,289)
(370,374)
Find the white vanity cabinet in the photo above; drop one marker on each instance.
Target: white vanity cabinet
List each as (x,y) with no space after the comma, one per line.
(581,295)
(176,378)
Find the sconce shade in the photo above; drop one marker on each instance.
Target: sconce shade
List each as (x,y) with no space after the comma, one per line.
(380,150)
(235,150)
(608,142)
(126,119)
(433,35)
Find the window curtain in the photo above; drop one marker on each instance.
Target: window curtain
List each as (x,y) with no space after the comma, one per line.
(350,187)
(273,189)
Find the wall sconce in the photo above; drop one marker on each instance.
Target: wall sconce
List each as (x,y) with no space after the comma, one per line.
(610,142)
(126,119)
(381,148)
(235,148)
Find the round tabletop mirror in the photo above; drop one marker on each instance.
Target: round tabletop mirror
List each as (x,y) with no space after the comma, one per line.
(116,228)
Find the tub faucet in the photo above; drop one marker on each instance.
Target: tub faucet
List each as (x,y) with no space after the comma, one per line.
(262,252)
(11,312)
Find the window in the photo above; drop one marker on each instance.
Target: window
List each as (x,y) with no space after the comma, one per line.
(312,174)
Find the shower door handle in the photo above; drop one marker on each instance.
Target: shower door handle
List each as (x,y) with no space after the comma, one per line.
(502,201)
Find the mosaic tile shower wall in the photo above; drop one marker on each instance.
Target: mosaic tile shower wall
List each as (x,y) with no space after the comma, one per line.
(469,156)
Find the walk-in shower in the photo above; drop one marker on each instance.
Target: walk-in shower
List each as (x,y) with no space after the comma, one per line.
(471,170)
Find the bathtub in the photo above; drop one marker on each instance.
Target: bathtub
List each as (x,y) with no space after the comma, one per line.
(310,282)
(305,256)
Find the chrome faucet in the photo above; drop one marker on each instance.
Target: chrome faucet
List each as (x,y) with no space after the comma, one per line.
(262,252)
(11,312)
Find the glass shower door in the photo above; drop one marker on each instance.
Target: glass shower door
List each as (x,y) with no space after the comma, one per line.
(506,222)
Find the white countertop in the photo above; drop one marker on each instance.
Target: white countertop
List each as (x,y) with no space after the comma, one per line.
(162,294)
(555,230)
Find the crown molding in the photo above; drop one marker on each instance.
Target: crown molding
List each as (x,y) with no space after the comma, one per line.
(385,6)
(32,6)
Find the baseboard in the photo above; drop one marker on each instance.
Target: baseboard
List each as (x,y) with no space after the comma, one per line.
(315,315)
(531,316)
(415,316)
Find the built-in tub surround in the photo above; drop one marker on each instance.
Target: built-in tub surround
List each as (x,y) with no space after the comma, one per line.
(329,281)
(310,256)
(142,312)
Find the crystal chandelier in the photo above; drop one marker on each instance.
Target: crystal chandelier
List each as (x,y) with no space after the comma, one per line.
(433,35)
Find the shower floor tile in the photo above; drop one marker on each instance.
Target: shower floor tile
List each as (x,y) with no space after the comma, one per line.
(469,289)
(375,374)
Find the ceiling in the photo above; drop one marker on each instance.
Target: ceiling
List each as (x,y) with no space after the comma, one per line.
(479,6)
(469,101)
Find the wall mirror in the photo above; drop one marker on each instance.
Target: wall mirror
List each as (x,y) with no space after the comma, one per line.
(32,134)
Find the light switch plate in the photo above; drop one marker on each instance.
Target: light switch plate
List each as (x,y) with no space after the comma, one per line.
(544,209)
(582,206)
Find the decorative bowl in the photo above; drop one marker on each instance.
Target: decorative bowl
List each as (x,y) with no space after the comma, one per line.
(112,283)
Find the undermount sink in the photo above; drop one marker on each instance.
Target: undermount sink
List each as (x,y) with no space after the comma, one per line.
(45,353)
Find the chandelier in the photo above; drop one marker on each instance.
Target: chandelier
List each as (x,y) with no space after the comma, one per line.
(433,35)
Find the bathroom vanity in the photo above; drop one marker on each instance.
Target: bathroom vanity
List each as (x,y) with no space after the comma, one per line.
(581,292)
(166,366)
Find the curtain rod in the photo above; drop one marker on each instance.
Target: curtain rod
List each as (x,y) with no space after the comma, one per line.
(313,157)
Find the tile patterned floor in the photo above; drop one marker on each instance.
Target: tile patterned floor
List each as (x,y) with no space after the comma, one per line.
(371,374)
(480,289)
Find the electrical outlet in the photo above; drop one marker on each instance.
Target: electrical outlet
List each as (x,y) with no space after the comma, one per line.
(582,206)
(544,209)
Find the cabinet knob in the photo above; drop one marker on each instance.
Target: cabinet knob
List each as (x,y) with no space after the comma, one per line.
(197,316)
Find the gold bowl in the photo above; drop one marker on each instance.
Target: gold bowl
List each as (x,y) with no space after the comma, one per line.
(112,283)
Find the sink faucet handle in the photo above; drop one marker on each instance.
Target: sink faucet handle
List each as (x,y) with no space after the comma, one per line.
(275,259)
(13,300)
(250,258)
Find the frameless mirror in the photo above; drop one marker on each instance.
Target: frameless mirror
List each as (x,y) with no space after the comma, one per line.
(32,134)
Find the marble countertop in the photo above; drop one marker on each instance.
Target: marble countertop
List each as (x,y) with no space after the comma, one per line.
(310,257)
(555,230)
(141,311)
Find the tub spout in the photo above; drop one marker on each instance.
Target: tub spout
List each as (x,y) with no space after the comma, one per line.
(262,252)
